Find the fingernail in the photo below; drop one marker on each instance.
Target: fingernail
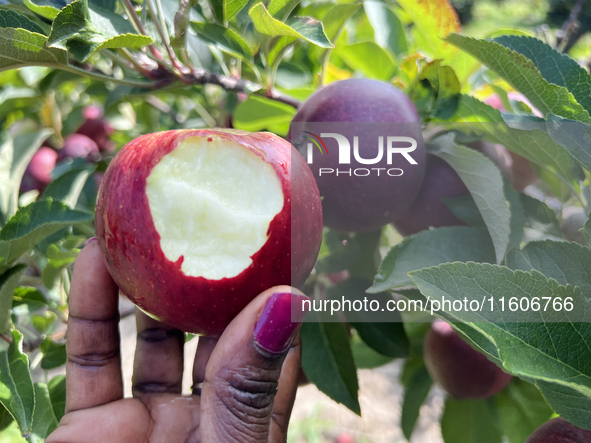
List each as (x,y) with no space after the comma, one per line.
(276,329)
(90,240)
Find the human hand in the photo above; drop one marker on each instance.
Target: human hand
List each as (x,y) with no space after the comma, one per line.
(244,382)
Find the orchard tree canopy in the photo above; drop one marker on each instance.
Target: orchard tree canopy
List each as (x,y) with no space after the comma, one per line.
(500,224)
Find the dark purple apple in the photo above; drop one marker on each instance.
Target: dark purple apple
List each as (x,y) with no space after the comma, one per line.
(195,223)
(558,430)
(97,128)
(79,146)
(38,173)
(461,370)
(428,209)
(375,186)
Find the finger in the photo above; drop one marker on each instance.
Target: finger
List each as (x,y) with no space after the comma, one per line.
(204,350)
(94,363)
(241,378)
(288,386)
(158,361)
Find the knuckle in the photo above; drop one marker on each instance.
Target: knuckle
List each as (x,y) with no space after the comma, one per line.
(249,391)
(96,359)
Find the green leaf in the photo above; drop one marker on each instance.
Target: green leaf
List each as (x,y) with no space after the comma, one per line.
(328,362)
(430,248)
(12,19)
(486,187)
(259,113)
(388,29)
(370,59)
(522,410)
(521,73)
(415,394)
(45,8)
(54,354)
(541,344)
(57,393)
(20,48)
(469,421)
(282,9)
(58,260)
(44,420)
(338,251)
(572,405)
(364,356)
(566,262)
(575,137)
(5,419)
(8,283)
(389,339)
(225,39)
(305,28)
(68,186)
(35,222)
(30,296)
(83,31)
(15,155)
(556,68)
(518,220)
(233,7)
(540,217)
(444,85)
(335,18)
(534,144)
(17,393)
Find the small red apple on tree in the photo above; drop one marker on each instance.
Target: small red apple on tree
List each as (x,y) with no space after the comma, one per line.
(38,173)
(369,198)
(461,370)
(558,430)
(428,209)
(195,223)
(97,128)
(79,146)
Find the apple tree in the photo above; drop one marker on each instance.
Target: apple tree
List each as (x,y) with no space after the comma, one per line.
(506,123)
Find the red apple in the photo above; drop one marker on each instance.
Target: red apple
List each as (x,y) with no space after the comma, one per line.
(461,370)
(558,430)
(371,188)
(79,146)
(97,128)
(195,223)
(38,172)
(428,209)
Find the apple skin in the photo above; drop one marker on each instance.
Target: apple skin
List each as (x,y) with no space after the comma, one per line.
(38,173)
(558,430)
(129,240)
(441,181)
(461,370)
(361,203)
(79,146)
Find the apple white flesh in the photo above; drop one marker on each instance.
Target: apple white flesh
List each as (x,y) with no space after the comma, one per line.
(212,203)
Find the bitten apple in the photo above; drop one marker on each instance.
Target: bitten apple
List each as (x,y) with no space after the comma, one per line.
(461,370)
(195,223)
(371,187)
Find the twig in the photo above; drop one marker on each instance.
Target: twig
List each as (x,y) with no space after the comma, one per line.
(569,32)
(6,338)
(165,40)
(140,26)
(280,97)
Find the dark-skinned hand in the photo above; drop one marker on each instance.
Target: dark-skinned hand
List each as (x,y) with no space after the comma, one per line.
(244,382)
